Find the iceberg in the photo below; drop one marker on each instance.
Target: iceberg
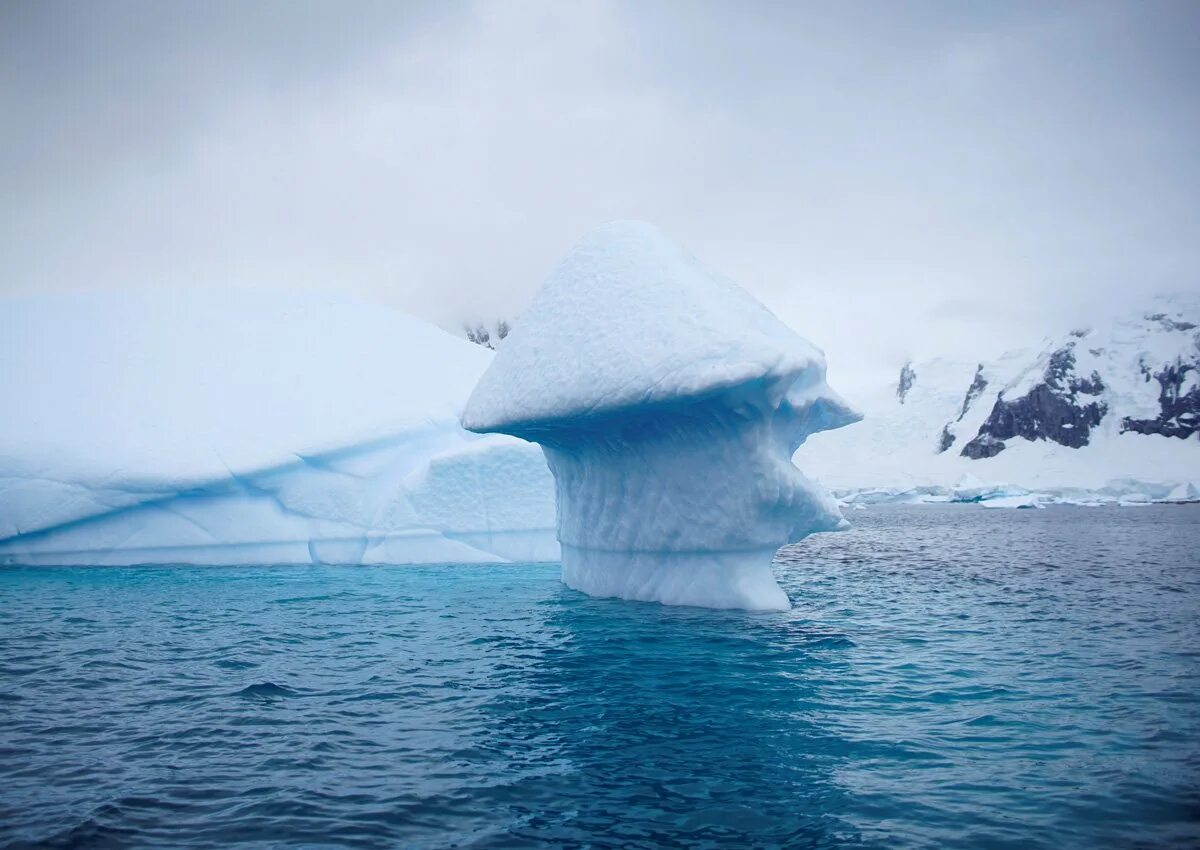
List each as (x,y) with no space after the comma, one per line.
(1028,500)
(1185,492)
(668,403)
(241,427)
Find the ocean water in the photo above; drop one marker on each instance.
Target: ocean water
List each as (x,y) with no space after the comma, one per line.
(950,677)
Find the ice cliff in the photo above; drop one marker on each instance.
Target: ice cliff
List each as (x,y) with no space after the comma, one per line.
(668,403)
(251,427)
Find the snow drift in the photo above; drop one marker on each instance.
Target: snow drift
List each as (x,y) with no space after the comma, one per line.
(251,427)
(668,403)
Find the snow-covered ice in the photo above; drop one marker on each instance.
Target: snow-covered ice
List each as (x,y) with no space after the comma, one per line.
(251,427)
(668,403)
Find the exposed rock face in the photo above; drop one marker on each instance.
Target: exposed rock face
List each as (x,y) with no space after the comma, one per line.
(907,378)
(978,385)
(946,440)
(1057,409)
(480,335)
(1171,324)
(1178,398)
(985,445)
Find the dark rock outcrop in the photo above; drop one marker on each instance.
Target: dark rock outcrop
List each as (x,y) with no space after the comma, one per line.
(978,385)
(946,440)
(1055,409)
(480,335)
(985,445)
(1171,324)
(1180,411)
(907,378)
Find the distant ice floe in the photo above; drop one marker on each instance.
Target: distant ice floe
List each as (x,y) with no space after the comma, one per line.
(668,403)
(1124,491)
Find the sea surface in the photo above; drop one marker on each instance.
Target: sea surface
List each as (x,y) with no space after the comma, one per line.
(950,677)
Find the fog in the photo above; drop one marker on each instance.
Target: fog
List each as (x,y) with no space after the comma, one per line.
(893,179)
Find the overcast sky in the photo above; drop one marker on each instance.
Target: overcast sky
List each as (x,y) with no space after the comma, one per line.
(892,178)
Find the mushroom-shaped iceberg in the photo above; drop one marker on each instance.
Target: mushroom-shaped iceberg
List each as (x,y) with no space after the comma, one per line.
(668,403)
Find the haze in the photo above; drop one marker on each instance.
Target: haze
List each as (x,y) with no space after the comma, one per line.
(893,179)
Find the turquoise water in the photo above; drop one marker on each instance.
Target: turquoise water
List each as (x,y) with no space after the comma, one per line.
(950,677)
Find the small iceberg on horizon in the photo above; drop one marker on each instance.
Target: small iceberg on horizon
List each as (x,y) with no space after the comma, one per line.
(669,403)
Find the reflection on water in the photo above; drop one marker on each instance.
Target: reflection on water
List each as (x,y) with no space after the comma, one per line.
(643,725)
(950,676)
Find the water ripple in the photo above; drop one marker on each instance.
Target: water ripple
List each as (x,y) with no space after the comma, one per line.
(949,677)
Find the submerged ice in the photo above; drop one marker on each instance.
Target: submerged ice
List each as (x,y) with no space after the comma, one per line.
(668,403)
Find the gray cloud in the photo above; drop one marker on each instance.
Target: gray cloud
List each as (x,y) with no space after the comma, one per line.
(891,178)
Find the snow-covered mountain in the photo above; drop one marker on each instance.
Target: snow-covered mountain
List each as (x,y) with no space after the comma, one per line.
(1111,410)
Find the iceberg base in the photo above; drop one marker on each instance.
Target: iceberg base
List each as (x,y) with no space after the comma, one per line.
(737,579)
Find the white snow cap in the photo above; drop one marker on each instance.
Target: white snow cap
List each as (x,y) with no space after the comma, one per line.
(630,319)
